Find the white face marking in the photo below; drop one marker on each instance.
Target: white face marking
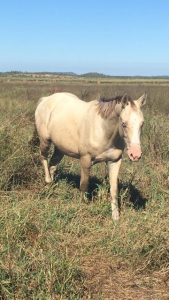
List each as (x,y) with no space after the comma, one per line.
(134,128)
(131,120)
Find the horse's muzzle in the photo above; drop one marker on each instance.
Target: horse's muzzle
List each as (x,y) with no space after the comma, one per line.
(134,152)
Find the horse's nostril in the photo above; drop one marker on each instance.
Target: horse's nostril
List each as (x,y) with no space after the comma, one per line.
(134,156)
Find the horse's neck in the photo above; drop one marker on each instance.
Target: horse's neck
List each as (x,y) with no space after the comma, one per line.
(111,127)
(111,132)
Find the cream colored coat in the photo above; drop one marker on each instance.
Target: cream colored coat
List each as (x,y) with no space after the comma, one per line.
(77,129)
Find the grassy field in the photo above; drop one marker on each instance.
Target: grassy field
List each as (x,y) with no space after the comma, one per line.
(53,245)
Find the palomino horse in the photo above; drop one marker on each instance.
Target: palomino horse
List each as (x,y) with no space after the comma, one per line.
(93,131)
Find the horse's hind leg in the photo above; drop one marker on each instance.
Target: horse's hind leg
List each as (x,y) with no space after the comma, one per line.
(44,150)
(54,161)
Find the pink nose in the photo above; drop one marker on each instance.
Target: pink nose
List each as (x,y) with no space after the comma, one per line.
(134,152)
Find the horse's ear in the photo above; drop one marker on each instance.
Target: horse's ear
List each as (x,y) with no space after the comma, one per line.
(142,100)
(124,100)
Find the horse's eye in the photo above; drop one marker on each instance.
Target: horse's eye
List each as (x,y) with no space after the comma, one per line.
(124,124)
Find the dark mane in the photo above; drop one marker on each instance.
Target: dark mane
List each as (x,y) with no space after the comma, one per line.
(116,98)
(106,106)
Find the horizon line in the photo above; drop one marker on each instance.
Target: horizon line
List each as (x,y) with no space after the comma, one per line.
(71,73)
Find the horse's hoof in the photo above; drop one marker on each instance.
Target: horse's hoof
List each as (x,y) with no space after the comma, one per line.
(48,180)
(115,215)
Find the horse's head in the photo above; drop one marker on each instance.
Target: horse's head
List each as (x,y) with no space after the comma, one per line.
(131,122)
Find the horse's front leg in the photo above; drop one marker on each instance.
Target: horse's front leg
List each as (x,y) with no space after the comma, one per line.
(113,168)
(111,154)
(85,163)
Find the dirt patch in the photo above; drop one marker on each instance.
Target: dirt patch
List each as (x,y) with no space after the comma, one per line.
(114,280)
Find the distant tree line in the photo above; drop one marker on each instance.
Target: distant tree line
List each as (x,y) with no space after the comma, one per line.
(89,74)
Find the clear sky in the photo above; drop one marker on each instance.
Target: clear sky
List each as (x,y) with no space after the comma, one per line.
(122,37)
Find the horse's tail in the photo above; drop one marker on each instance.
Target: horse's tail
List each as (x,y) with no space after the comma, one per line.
(34,141)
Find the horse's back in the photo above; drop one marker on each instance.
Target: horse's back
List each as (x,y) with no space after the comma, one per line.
(56,100)
(59,117)
(56,104)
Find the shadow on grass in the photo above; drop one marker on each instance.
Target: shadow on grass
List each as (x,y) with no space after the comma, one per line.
(74,180)
(136,198)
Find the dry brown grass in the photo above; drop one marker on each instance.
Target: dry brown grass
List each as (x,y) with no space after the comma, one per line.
(53,246)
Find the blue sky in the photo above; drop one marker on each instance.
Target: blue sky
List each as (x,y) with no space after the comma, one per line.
(124,37)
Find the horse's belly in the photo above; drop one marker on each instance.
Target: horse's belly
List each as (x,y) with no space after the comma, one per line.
(66,141)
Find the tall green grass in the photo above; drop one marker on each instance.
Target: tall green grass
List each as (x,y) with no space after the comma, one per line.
(54,245)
